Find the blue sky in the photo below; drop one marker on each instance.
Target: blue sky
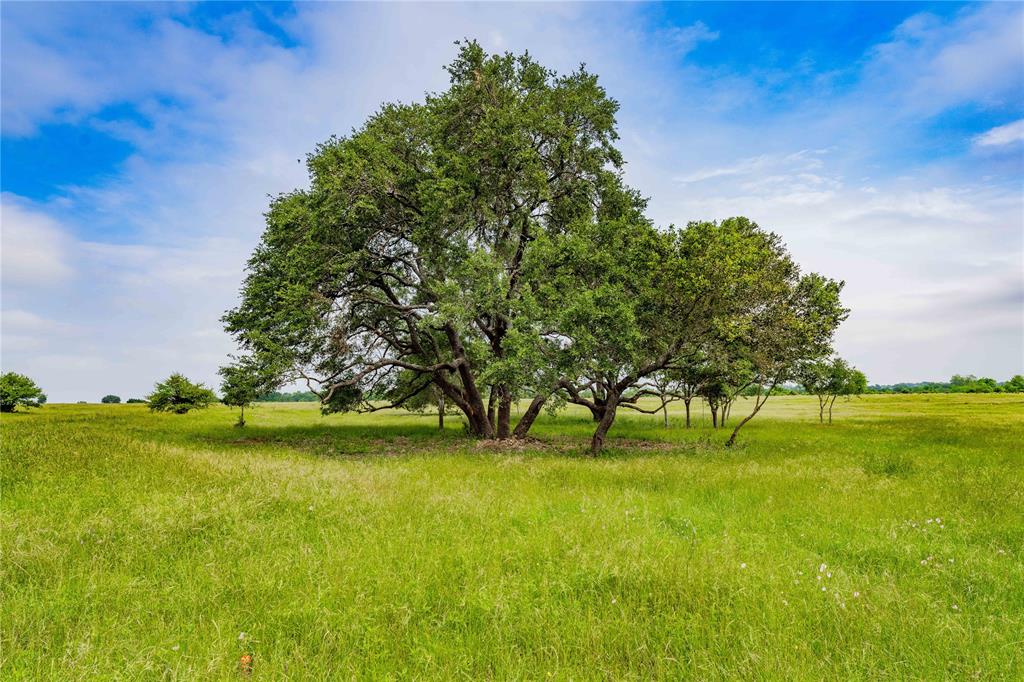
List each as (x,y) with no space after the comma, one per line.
(884,141)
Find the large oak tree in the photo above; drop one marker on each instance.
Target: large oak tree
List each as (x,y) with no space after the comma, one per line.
(406,253)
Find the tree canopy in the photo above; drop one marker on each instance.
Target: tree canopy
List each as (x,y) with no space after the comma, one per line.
(828,379)
(408,251)
(179,395)
(481,245)
(242,383)
(17,390)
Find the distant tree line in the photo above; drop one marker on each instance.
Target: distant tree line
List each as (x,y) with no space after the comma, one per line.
(293,397)
(958,383)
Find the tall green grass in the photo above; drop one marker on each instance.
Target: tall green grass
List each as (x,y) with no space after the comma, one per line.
(889,545)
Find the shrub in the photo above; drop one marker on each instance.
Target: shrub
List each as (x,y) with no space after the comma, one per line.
(179,395)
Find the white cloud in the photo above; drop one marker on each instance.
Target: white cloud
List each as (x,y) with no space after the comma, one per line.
(686,39)
(1002,135)
(976,56)
(33,246)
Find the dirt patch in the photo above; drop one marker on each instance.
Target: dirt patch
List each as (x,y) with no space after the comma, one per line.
(249,441)
(511,444)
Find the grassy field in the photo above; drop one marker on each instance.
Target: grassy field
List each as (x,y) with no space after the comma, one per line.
(887,546)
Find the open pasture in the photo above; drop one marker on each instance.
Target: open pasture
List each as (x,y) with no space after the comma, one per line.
(889,545)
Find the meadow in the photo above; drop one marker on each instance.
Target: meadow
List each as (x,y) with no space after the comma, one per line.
(889,545)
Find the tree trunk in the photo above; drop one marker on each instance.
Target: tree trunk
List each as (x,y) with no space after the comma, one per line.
(830,410)
(504,412)
(491,398)
(526,421)
(664,410)
(440,412)
(610,407)
(821,410)
(687,402)
(714,416)
(472,402)
(758,404)
(241,416)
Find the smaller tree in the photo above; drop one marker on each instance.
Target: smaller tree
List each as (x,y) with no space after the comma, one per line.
(856,384)
(179,395)
(829,379)
(17,390)
(242,385)
(135,401)
(110,399)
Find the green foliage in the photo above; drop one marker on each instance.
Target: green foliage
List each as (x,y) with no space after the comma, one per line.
(17,390)
(135,401)
(633,302)
(110,399)
(828,379)
(179,395)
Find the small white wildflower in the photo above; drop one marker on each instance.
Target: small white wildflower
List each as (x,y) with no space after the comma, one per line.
(955,607)
(951,560)
(924,562)
(842,604)
(785,603)
(943,526)
(613,600)
(241,636)
(824,589)
(175,647)
(821,569)
(829,575)
(856,595)
(310,507)
(938,520)
(743,565)
(799,572)
(818,577)
(928,521)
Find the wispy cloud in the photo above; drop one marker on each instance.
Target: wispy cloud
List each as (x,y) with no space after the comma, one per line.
(1002,135)
(686,39)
